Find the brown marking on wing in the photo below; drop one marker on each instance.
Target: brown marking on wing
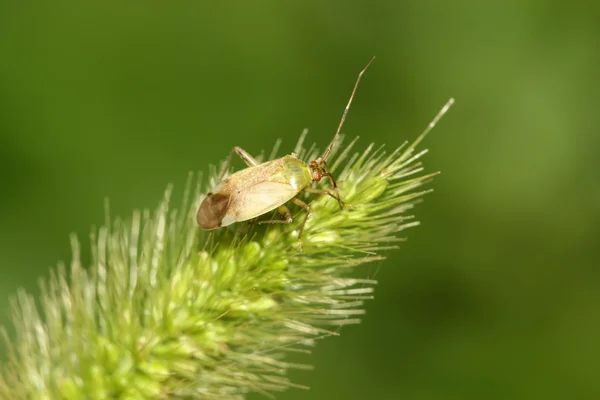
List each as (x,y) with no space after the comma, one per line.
(212,210)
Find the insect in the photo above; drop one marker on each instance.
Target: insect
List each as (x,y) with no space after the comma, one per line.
(263,187)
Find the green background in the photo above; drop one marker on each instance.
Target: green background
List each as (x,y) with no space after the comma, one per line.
(495,296)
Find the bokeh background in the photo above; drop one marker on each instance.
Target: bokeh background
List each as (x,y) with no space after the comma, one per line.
(495,296)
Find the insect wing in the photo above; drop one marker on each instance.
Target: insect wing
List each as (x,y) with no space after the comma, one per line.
(212,210)
(261,198)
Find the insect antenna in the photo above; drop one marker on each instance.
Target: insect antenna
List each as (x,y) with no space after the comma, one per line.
(337,133)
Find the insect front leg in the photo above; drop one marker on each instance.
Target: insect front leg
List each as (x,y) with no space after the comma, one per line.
(333,193)
(244,155)
(335,189)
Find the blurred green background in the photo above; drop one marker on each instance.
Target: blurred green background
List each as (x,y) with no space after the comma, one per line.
(495,296)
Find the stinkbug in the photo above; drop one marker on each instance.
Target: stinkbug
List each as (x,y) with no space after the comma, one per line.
(263,187)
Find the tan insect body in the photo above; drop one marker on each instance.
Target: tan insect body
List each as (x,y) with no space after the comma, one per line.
(260,188)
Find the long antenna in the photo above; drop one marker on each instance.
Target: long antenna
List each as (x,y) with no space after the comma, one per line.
(337,133)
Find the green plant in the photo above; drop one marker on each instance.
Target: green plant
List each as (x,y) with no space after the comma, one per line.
(165,310)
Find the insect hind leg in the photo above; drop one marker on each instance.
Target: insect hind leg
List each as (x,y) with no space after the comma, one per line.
(244,155)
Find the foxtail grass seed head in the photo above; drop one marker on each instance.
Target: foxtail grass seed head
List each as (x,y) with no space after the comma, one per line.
(167,310)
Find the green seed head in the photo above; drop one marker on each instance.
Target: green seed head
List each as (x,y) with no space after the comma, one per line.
(167,310)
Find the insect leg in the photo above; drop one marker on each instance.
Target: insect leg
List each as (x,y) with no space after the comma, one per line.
(285,213)
(333,193)
(302,204)
(244,155)
(335,189)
